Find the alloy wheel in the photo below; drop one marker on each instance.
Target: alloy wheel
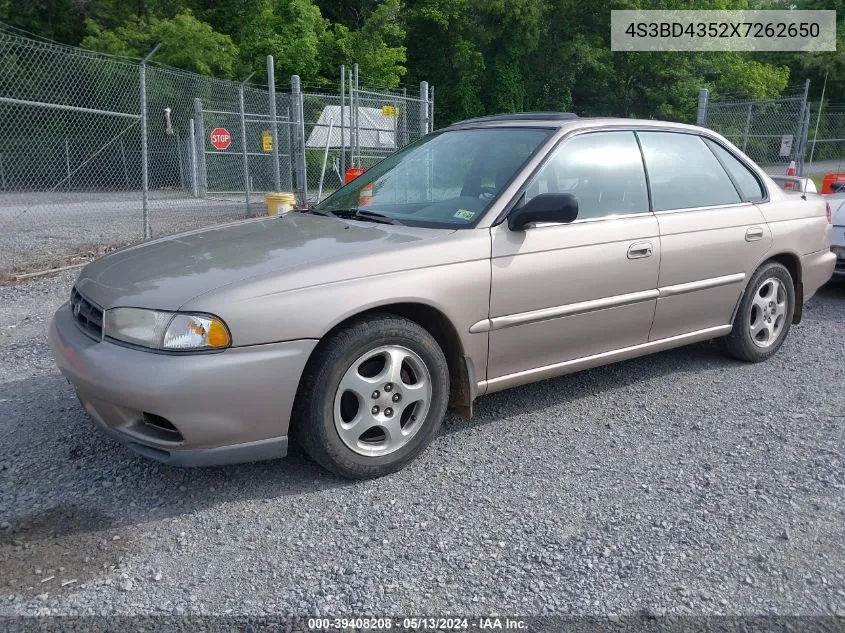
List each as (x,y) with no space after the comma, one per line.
(768,312)
(382,400)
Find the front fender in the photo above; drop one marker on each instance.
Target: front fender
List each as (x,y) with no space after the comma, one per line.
(460,291)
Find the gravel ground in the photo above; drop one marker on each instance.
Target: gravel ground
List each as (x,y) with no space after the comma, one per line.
(678,483)
(42,230)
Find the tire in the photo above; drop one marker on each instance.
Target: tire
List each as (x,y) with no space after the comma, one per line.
(372,397)
(764,315)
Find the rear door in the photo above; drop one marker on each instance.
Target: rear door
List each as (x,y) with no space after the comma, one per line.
(712,235)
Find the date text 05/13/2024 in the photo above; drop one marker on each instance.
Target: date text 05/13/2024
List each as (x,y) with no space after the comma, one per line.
(493,623)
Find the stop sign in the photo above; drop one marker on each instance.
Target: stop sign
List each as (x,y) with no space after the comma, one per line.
(220,138)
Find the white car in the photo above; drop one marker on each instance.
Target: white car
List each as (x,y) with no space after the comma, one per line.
(837,240)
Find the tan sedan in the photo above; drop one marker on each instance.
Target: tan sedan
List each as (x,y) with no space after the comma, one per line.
(496,252)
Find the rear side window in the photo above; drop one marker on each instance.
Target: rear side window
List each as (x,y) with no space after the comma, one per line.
(684,173)
(747,182)
(603,170)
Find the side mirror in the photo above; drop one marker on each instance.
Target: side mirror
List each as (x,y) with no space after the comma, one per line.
(547,207)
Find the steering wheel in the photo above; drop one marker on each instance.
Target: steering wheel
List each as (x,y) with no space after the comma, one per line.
(486,192)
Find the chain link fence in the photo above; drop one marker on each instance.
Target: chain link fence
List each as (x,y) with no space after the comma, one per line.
(357,128)
(775,132)
(772,132)
(83,172)
(827,140)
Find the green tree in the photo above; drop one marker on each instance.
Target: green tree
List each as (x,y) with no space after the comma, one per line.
(186,43)
(294,32)
(377,47)
(477,52)
(830,64)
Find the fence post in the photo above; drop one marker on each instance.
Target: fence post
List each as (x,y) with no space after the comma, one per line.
(342,122)
(199,124)
(194,183)
(145,160)
(701,118)
(274,127)
(352,130)
(299,139)
(289,146)
(747,127)
(815,133)
(423,108)
(431,116)
(803,130)
(243,143)
(357,116)
(404,114)
(145,175)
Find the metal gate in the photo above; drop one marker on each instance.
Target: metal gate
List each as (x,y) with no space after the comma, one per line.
(247,163)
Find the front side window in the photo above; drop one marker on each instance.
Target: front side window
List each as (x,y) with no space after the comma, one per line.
(603,170)
(684,173)
(446,180)
(747,182)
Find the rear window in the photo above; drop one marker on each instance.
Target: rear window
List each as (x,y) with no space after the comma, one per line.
(747,182)
(683,173)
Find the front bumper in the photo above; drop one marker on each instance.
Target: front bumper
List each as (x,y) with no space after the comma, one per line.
(223,407)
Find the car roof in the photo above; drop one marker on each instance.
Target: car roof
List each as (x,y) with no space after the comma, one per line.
(567,120)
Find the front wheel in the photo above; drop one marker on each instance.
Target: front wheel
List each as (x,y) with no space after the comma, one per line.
(372,398)
(764,315)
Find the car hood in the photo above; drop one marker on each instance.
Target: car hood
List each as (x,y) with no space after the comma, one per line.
(166,273)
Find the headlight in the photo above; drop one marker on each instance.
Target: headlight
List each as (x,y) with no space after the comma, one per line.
(166,330)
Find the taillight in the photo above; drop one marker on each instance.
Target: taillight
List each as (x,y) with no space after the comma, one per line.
(829,214)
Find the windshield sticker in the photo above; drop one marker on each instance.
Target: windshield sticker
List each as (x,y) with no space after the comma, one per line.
(463,214)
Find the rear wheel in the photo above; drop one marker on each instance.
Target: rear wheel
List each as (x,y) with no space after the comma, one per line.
(764,315)
(372,398)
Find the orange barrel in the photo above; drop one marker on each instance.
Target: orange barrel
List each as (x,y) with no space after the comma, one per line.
(829,179)
(352,173)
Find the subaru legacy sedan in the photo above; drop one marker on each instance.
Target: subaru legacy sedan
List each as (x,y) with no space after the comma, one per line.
(496,252)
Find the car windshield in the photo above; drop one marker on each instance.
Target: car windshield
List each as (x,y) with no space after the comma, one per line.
(445,180)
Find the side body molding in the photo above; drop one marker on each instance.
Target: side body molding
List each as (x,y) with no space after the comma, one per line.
(584,307)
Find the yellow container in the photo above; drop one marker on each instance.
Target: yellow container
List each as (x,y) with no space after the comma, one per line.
(279,202)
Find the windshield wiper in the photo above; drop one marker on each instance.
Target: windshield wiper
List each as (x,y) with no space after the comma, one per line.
(363,214)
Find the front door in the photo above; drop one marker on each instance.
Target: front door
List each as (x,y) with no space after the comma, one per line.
(566,291)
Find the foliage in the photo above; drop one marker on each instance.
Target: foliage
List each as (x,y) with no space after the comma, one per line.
(481,55)
(378,46)
(293,31)
(186,43)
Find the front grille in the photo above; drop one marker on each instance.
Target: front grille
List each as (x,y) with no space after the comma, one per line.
(87,316)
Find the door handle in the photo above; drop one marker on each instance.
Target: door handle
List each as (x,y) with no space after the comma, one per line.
(639,250)
(754,233)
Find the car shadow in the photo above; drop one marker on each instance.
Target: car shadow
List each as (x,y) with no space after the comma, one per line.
(696,358)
